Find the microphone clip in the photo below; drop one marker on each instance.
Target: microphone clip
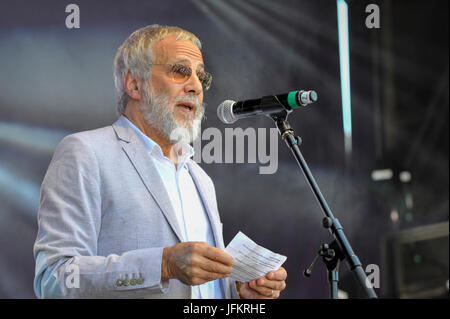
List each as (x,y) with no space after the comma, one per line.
(286,132)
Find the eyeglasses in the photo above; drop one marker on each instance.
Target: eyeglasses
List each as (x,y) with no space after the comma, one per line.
(180,73)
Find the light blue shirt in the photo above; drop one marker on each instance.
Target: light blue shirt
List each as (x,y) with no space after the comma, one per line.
(190,212)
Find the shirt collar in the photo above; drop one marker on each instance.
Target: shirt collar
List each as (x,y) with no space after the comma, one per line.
(184,150)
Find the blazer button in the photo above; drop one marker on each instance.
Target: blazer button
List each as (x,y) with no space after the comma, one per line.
(119,282)
(126,281)
(133,281)
(140,280)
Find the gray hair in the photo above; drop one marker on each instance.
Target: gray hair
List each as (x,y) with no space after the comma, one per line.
(136,55)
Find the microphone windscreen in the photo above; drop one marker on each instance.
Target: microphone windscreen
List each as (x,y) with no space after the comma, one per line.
(225,112)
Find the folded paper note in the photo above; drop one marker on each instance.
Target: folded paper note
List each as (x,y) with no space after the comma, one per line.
(251,261)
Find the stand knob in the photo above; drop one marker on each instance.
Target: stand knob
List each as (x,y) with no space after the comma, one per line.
(327,222)
(307,273)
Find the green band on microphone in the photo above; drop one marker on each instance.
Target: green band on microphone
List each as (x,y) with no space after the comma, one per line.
(292,99)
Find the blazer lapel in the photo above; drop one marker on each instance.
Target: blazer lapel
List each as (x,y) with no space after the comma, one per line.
(207,197)
(206,193)
(149,175)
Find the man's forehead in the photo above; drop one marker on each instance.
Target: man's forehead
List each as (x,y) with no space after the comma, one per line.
(171,49)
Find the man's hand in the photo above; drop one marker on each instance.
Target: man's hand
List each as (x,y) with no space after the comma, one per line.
(268,287)
(195,263)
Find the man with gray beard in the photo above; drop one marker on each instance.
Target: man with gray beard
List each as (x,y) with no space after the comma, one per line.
(125,212)
(157,115)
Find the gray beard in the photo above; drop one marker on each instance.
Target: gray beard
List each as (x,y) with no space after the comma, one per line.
(159,115)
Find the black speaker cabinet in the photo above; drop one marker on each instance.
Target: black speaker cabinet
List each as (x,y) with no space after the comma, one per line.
(415,263)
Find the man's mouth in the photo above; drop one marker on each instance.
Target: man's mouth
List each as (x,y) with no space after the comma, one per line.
(186,107)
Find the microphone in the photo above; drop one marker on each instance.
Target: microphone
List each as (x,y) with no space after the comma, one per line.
(231,111)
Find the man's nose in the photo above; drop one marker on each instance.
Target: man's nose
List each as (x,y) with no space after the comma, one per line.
(193,85)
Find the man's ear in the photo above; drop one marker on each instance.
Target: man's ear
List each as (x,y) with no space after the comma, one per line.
(131,86)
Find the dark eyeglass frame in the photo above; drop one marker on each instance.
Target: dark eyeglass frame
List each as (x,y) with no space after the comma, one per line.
(204,77)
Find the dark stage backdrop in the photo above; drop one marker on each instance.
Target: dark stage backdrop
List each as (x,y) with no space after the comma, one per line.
(55,81)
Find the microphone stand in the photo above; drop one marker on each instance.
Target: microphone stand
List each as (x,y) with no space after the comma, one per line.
(340,248)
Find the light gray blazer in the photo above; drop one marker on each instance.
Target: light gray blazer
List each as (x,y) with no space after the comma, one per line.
(105,214)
